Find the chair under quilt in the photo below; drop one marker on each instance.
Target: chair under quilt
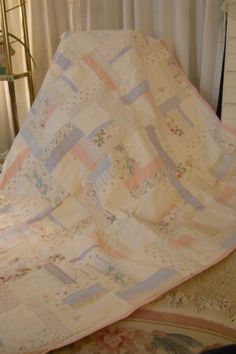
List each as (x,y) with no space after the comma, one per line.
(120,186)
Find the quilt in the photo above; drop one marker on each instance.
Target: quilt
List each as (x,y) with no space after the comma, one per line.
(120,186)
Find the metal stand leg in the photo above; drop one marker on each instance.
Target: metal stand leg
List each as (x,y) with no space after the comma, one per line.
(31,87)
(15,121)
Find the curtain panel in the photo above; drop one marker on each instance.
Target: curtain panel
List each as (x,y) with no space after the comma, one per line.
(193,30)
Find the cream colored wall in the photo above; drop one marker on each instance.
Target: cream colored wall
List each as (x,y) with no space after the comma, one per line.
(229,94)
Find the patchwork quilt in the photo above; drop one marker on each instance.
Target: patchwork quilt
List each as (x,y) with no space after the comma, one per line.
(120,186)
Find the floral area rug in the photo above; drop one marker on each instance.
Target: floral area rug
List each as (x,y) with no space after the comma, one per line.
(198,315)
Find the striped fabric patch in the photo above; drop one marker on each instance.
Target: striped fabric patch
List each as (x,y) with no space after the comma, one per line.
(59,274)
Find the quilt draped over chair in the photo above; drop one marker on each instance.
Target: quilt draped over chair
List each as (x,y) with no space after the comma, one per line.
(120,185)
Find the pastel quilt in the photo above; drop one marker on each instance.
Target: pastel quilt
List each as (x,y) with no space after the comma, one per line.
(120,185)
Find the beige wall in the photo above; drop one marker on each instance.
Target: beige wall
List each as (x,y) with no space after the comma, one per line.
(229,94)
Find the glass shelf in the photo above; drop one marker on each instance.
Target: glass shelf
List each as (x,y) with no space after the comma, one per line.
(14,76)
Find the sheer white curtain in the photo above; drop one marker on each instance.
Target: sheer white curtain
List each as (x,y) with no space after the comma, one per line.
(47,20)
(193,30)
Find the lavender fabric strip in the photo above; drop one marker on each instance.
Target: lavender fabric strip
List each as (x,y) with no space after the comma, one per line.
(83,254)
(70,83)
(101,168)
(169,104)
(39,216)
(62,148)
(148,284)
(31,141)
(55,221)
(174,102)
(99,128)
(62,61)
(38,101)
(120,54)
(135,93)
(82,295)
(59,274)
